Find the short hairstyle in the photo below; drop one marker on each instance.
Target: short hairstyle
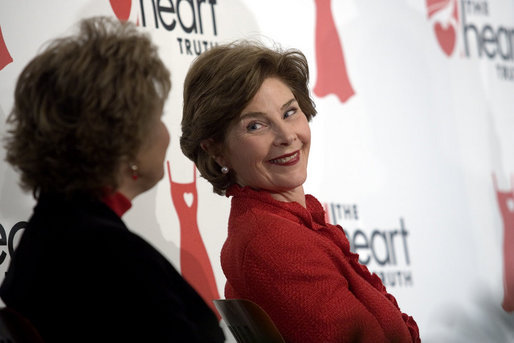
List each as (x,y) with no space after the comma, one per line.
(82,107)
(219,85)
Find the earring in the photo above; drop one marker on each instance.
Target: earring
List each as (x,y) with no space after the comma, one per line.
(224,170)
(134,169)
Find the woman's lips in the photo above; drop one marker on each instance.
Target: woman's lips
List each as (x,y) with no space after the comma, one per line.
(286,160)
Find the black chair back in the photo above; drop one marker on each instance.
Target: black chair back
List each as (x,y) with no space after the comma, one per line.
(14,328)
(248,322)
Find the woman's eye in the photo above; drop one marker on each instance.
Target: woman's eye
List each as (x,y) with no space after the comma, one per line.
(289,112)
(253,126)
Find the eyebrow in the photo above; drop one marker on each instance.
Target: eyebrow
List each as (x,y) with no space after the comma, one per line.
(258,114)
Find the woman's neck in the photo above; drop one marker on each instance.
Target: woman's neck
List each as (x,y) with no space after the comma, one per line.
(295,195)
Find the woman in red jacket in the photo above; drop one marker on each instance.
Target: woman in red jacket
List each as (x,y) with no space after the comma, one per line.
(246,126)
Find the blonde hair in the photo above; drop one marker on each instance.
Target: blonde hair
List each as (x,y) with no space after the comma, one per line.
(82,106)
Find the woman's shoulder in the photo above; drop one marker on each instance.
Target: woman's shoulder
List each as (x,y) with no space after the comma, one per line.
(87,226)
(257,229)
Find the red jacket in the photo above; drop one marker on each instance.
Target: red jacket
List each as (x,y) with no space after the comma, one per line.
(300,270)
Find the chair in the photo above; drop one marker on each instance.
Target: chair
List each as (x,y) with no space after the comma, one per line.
(248,322)
(14,328)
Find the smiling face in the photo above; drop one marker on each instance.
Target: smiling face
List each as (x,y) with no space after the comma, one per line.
(268,147)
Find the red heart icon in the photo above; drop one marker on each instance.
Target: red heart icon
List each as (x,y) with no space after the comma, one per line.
(446,37)
(121,8)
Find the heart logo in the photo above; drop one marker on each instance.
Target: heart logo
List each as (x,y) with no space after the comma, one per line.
(188,199)
(121,8)
(446,37)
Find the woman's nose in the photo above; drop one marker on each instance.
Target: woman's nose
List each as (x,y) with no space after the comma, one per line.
(284,134)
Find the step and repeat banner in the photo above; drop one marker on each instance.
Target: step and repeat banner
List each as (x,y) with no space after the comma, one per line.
(412,148)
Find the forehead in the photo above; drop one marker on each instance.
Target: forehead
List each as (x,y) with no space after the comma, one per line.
(272,92)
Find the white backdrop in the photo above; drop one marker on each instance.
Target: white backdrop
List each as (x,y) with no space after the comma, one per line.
(415,123)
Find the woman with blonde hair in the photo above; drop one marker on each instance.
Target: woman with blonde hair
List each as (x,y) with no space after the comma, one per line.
(86,136)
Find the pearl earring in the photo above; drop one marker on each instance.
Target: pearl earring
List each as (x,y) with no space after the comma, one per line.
(134,169)
(224,170)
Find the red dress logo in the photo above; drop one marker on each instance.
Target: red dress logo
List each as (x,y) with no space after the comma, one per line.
(195,265)
(505,200)
(444,14)
(121,8)
(5,57)
(332,77)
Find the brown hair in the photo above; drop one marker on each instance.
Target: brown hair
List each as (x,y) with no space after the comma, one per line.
(82,106)
(219,85)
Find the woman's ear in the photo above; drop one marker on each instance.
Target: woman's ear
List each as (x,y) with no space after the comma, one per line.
(207,145)
(214,150)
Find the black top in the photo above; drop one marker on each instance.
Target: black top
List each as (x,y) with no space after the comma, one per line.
(79,275)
